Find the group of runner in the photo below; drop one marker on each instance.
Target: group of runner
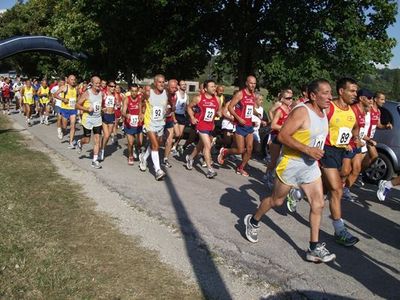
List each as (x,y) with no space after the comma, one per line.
(318,145)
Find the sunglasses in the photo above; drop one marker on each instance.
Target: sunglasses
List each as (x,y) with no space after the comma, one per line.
(288,98)
(111,85)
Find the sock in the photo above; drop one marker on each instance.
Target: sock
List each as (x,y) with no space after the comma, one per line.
(156,160)
(338,225)
(147,153)
(95,157)
(254,222)
(313,245)
(388,184)
(58,129)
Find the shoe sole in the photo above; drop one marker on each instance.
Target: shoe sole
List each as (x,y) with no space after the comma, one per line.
(246,220)
(161,177)
(316,259)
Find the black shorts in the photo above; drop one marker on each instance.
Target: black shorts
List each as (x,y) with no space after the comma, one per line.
(333,157)
(108,118)
(88,132)
(181,119)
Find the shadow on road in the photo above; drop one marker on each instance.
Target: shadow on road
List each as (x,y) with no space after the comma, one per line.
(208,277)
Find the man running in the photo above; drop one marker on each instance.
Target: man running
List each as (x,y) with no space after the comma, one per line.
(44,102)
(172,88)
(156,101)
(57,106)
(180,116)
(90,102)
(133,120)
(27,96)
(342,127)
(68,95)
(207,108)
(241,107)
(303,137)
(6,95)
(108,109)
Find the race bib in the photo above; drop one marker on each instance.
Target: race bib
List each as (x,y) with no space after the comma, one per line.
(362,133)
(72,102)
(110,100)
(28,95)
(209,115)
(344,136)
(134,120)
(249,111)
(96,107)
(319,142)
(158,114)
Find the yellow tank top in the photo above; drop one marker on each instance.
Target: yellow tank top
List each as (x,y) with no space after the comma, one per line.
(72,96)
(28,94)
(44,92)
(221,100)
(341,123)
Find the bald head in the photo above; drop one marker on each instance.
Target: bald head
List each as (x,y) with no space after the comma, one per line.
(96,83)
(172,86)
(251,83)
(71,80)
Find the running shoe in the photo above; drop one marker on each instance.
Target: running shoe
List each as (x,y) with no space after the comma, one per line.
(291,201)
(347,195)
(189,162)
(221,156)
(166,163)
(382,190)
(203,162)
(251,230)
(71,146)
(46,122)
(79,146)
(174,152)
(96,165)
(241,171)
(142,162)
(211,174)
(359,182)
(320,254)
(345,238)
(130,160)
(160,174)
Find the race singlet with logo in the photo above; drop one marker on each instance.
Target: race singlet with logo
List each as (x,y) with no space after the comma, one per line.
(341,123)
(71,95)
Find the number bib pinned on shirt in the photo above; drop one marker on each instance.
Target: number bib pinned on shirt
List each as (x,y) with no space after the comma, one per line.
(209,115)
(344,136)
(110,101)
(319,142)
(96,107)
(249,111)
(134,120)
(72,102)
(362,132)
(158,113)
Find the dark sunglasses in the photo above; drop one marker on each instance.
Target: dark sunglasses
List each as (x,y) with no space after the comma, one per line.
(288,98)
(111,85)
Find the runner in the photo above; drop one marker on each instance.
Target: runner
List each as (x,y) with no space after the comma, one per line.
(227,124)
(57,106)
(342,126)
(27,96)
(279,118)
(119,102)
(90,102)
(154,120)
(259,120)
(303,137)
(180,116)
(241,108)
(108,108)
(44,101)
(17,87)
(207,108)
(133,120)
(172,88)
(36,86)
(68,95)
(6,95)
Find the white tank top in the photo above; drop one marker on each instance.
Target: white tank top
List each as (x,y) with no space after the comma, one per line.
(180,103)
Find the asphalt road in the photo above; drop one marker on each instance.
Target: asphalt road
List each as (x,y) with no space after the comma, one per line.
(210,213)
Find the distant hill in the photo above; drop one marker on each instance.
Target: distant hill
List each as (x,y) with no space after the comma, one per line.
(385,80)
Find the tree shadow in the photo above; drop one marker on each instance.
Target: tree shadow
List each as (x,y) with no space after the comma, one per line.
(306,294)
(208,277)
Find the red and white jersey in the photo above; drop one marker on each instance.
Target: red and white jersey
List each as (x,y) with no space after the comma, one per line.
(108,101)
(282,118)
(172,103)
(6,89)
(375,118)
(205,114)
(245,107)
(360,119)
(133,110)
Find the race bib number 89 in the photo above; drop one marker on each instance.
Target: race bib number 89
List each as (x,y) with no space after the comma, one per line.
(96,107)
(209,116)
(344,136)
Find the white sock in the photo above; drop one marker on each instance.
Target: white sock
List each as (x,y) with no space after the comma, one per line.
(338,225)
(95,157)
(156,160)
(388,184)
(58,129)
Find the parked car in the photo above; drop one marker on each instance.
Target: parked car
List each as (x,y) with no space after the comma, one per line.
(388,163)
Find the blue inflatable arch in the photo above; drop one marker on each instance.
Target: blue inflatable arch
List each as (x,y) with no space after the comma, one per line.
(20,44)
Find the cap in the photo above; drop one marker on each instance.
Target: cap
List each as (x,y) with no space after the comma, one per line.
(365,92)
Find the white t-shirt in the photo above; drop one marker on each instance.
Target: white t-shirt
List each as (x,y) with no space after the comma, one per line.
(53,90)
(256,120)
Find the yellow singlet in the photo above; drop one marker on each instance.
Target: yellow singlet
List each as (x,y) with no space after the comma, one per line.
(71,95)
(341,123)
(44,92)
(28,96)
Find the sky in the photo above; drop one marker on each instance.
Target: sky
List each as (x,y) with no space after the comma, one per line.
(393,31)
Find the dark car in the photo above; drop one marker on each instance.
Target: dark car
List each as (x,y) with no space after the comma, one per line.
(388,162)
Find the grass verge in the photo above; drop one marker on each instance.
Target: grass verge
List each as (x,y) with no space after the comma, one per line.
(53,245)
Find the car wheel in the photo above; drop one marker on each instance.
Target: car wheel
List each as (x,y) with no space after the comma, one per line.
(381,169)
